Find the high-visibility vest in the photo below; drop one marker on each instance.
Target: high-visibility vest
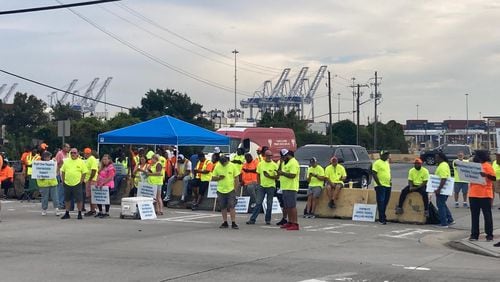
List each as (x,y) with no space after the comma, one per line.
(124,162)
(156,180)
(29,161)
(203,176)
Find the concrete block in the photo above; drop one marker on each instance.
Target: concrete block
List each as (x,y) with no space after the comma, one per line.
(345,202)
(413,208)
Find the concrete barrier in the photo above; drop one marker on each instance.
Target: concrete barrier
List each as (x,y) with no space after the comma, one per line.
(413,206)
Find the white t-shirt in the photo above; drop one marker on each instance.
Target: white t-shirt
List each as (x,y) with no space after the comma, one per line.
(181,168)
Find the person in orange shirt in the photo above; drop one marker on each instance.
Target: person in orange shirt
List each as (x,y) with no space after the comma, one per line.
(6,178)
(24,156)
(249,177)
(481,197)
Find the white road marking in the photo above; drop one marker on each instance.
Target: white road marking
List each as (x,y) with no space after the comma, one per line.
(412,267)
(335,277)
(409,232)
(190,218)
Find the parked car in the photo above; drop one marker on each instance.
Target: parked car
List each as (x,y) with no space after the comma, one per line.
(354,158)
(450,150)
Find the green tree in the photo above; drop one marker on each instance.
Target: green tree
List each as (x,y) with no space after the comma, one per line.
(345,131)
(64,112)
(26,115)
(121,120)
(280,119)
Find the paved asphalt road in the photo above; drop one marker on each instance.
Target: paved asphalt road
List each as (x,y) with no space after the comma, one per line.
(188,246)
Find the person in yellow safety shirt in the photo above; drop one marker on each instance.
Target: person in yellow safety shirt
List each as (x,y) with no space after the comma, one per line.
(48,187)
(226,174)
(417,182)
(381,171)
(289,181)
(203,174)
(90,179)
(30,184)
(239,158)
(316,179)
(73,173)
(496,167)
(156,174)
(335,175)
(443,172)
(266,177)
(460,185)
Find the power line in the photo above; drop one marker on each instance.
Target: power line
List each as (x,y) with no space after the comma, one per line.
(58,89)
(178,45)
(154,58)
(62,6)
(152,22)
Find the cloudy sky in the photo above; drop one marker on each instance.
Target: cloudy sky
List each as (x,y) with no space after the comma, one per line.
(428,53)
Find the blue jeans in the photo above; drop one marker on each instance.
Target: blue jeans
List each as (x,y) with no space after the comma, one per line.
(444,212)
(383,196)
(259,198)
(45,192)
(60,193)
(185,183)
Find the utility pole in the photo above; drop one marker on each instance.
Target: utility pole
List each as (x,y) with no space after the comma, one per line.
(376,96)
(353,98)
(357,115)
(330,108)
(417,110)
(235,79)
(338,107)
(467,118)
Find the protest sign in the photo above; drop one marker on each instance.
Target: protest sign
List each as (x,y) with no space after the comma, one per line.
(146,210)
(434,182)
(212,190)
(276,209)
(146,190)
(99,195)
(364,212)
(470,172)
(43,170)
(242,204)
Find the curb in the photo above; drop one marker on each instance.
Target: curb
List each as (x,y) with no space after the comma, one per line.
(465,246)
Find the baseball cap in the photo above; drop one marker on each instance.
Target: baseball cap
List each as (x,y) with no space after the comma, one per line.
(283,152)
(180,157)
(313,160)
(44,146)
(87,151)
(216,150)
(418,161)
(384,152)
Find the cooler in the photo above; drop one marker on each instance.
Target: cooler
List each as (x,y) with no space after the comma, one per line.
(129,207)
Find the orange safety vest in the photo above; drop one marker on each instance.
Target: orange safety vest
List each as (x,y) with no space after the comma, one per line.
(249,177)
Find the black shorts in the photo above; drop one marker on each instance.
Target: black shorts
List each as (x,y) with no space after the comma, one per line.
(203,187)
(73,192)
(226,200)
(289,199)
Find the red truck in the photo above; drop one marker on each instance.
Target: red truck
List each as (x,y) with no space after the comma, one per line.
(253,137)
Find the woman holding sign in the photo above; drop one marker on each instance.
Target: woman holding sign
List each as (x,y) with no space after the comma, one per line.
(443,172)
(105,177)
(481,197)
(48,187)
(156,174)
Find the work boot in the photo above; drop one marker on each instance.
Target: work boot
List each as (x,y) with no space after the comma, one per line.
(234,225)
(224,225)
(65,216)
(399,210)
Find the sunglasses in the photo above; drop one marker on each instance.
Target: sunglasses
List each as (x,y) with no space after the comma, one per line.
(74,153)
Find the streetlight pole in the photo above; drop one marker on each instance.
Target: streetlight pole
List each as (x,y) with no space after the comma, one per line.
(329,109)
(338,106)
(417,110)
(467,118)
(235,79)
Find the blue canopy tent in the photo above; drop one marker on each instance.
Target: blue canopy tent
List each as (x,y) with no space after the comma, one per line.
(164,130)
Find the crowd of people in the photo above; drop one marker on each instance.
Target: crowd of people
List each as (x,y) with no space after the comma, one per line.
(261,178)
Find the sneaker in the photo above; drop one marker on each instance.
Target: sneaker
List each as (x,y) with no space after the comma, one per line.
(282,221)
(268,223)
(452,223)
(65,216)
(58,213)
(426,213)
(106,215)
(306,215)
(90,213)
(312,216)
(399,210)
(224,225)
(44,212)
(80,215)
(250,222)
(293,227)
(166,199)
(99,214)
(489,238)
(286,225)
(441,226)
(496,244)
(472,239)
(331,204)
(466,205)
(382,222)
(234,225)
(457,205)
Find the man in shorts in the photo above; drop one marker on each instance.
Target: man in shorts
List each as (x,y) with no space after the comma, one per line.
(73,173)
(203,174)
(316,180)
(335,175)
(226,174)
(289,181)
